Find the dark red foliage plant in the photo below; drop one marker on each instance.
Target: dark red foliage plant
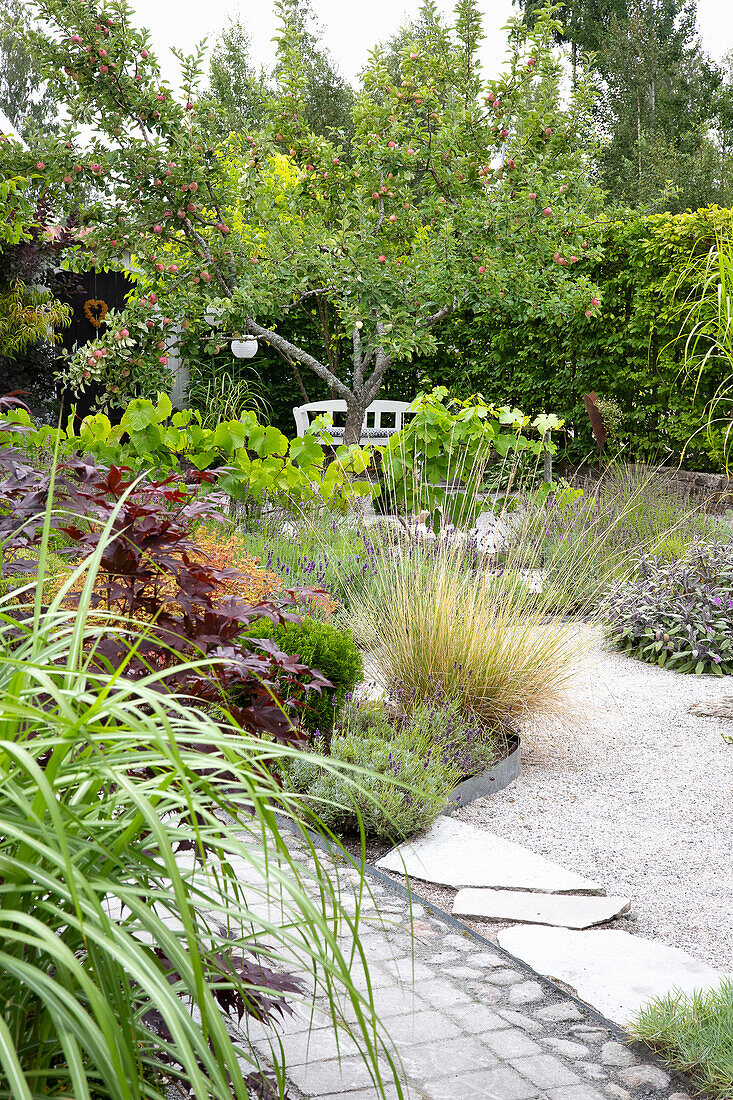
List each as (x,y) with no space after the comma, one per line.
(167,605)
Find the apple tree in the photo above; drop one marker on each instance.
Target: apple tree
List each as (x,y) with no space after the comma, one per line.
(457,192)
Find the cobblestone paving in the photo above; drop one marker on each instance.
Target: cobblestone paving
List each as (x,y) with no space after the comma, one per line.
(468,1022)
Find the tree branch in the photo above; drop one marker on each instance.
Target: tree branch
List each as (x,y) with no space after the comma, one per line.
(308,294)
(441,315)
(374,382)
(381,362)
(299,356)
(358,361)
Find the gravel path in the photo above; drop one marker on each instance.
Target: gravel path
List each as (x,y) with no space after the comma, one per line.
(643,802)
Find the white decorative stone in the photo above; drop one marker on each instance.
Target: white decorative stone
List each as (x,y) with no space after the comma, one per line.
(452,853)
(615,972)
(616,1054)
(565,910)
(650,1077)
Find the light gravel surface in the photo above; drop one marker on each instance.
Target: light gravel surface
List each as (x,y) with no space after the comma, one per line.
(641,800)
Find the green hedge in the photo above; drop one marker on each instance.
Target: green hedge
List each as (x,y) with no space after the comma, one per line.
(630,353)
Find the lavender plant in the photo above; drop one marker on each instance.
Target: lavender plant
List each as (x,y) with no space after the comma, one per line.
(327,553)
(679,614)
(392,764)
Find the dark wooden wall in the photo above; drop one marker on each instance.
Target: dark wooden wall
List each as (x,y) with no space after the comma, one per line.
(111,287)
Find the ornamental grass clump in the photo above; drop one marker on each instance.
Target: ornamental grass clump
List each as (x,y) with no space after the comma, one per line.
(693,1034)
(485,635)
(586,541)
(678,615)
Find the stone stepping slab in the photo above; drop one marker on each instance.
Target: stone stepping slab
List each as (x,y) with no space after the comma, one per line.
(614,971)
(452,853)
(565,910)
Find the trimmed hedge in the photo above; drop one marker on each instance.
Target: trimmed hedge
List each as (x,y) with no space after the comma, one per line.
(631,353)
(326,647)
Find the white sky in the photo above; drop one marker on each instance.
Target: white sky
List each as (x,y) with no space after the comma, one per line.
(351,29)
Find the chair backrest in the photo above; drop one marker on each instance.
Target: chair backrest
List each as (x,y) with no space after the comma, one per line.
(393,410)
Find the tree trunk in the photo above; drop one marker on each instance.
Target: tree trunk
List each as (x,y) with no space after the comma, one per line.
(356,407)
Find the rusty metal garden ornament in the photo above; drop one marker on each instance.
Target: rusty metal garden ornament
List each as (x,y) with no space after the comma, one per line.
(594,413)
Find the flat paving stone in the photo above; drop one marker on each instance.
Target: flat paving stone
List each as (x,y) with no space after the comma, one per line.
(511,1043)
(422,1027)
(447,1058)
(500,1083)
(560,1013)
(452,853)
(574,1092)
(363,1094)
(546,1071)
(566,1047)
(472,1017)
(614,971)
(616,1054)
(448,1008)
(320,1078)
(564,910)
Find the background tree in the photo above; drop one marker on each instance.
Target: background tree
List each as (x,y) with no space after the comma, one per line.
(239,91)
(459,193)
(244,94)
(659,109)
(659,92)
(24,96)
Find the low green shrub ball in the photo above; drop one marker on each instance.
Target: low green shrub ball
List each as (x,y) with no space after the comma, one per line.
(323,646)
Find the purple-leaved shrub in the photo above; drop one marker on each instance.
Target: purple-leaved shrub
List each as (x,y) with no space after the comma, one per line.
(678,615)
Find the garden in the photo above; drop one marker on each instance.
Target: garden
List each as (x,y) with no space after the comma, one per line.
(234,657)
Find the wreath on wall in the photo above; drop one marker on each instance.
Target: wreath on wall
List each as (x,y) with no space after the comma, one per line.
(95,311)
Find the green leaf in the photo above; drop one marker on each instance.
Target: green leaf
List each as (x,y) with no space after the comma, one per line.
(138,414)
(267,441)
(306,451)
(547,422)
(164,407)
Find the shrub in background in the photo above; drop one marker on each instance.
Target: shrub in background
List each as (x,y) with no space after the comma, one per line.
(678,615)
(324,646)
(449,442)
(630,352)
(254,463)
(392,772)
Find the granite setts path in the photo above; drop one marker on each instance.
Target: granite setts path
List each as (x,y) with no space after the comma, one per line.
(467,1019)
